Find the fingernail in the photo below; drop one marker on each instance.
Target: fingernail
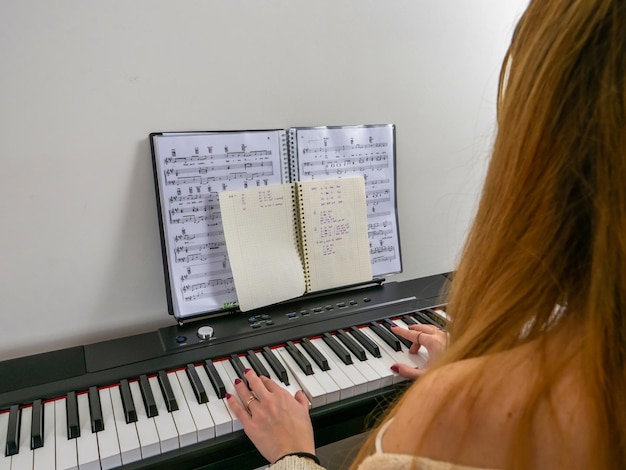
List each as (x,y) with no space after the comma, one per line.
(228,395)
(237,381)
(395,368)
(245,371)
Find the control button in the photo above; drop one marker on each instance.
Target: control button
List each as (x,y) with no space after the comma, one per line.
(317,309)
(366,299)
(304,312)
(252,320)
(329,307)
(181,339)
(255,325)
(291,315)
(269,322)
(341,304)
(265,316)
(205,332)
(353,302)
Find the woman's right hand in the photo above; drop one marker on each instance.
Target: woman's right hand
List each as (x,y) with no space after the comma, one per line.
(430,337)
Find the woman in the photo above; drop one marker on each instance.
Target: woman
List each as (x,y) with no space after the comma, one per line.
(535,373)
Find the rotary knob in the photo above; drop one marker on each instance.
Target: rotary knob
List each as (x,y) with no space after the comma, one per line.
(205,332)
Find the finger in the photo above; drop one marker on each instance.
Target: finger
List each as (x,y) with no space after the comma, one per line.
(242,389)
(301,398)
(428,329)
(256,384)
(270,384)
(406,371)
(238,409)
(411,335)
(405,333)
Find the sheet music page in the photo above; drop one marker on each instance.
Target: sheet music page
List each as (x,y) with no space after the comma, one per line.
(260,226)
(368,151)
(192,169)
(334,227)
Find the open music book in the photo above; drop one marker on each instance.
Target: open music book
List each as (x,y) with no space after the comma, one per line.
(288,239)
(191,169)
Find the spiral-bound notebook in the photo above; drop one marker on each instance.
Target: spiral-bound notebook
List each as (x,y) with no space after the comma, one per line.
(286,240)
(191,169)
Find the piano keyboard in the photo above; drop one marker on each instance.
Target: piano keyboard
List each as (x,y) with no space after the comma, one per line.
(138,418)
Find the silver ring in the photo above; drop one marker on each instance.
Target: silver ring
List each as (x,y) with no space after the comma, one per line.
(417,339)
(250,400)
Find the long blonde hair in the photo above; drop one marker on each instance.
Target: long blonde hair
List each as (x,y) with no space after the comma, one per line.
(551,224)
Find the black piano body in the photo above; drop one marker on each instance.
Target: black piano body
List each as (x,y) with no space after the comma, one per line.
(52,374)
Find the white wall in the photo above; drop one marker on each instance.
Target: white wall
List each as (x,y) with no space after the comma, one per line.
(83,83)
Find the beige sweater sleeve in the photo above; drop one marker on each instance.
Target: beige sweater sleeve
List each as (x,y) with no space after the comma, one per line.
(292,462)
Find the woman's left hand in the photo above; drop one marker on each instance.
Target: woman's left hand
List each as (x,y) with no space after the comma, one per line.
(276,422)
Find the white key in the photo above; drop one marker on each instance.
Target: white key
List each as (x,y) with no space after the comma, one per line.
(5,462)
(379,366)
(218,409)
(87,442)
(130,448)
(110,456)
(187,434)
(66,456)
(359,382)
(199,411)
(372,378)
(168,435)
(389,356)
(146,429)
(333,389)
(228,375)
(23,460)
(311,387)
(44,456)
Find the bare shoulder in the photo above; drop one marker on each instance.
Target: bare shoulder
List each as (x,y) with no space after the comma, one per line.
(468,412)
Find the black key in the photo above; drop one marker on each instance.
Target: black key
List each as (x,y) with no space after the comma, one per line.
(73,426)
(36,426)
(365,341)
(352,345)
(435,317)
(148,397)
(388,324)
(409,320)
(216,380)
(196,384)
(257,365)
(130,413)
(297,356)
(239,367)
(95,410)
(423,318)
(386,336)
(337,348)
(13,431)
(315,354)
(168,393)
(276,365)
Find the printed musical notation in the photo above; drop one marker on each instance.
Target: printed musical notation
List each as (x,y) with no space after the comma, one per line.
(193,168)
(327,152)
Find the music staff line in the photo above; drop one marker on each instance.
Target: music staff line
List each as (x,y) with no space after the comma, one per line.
(208,284)
(188,180)
(217,156)
(203,170)
(193,236)
(343,148)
